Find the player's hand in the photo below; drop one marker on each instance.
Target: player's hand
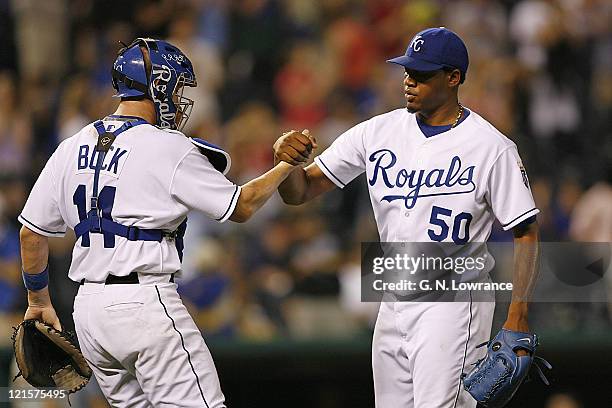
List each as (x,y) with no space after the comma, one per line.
(45,314)
(294,147)
(518,324)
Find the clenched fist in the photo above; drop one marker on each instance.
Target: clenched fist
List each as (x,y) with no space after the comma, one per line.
(294,147)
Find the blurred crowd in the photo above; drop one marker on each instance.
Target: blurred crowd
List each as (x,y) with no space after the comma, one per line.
(540,71)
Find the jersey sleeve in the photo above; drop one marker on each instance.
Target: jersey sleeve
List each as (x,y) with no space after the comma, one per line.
(41,212)
(509,194)
(345,158)
(197,185)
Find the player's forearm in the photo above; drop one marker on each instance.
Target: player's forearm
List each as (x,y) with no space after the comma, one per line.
(34,259)
(34,251)
(293,189)
(526,268)
(256,192)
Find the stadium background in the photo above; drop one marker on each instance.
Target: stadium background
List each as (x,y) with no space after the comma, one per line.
(277,299)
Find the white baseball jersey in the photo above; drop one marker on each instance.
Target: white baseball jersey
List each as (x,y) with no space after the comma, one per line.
(448,187)
(151,178)
(443,188)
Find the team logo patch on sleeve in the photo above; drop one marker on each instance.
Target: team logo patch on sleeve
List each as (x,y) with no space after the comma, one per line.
(524,174)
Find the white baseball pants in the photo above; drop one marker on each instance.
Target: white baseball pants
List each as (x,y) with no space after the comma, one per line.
(144,348)
(420,349)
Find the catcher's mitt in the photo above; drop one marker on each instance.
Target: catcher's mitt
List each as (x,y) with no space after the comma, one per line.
(496,377)
(48,358)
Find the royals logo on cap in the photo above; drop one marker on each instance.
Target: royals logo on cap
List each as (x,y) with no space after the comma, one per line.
(417,42)
(434,49)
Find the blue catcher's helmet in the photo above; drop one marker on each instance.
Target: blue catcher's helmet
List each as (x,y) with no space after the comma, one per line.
(170,72)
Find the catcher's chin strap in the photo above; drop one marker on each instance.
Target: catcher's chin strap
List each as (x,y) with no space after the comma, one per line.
(95,223)
(129,82)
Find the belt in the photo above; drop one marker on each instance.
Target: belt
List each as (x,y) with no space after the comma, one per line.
(131,279)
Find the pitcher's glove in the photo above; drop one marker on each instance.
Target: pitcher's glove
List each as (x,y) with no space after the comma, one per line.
(496,377)
(48,358)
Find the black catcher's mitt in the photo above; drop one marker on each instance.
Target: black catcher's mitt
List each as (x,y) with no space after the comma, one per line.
(48,358)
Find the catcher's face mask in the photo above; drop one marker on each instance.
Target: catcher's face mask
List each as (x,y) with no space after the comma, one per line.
(171,71)
(183,105)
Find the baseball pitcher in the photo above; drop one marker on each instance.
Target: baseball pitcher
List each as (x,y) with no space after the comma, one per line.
(436,172)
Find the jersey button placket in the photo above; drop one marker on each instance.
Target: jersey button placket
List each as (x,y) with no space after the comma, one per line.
(420,162)
(406,224)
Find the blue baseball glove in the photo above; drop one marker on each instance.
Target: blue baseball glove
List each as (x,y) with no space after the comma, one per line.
(496,377)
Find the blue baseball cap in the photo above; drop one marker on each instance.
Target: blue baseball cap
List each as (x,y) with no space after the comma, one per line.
(433,49)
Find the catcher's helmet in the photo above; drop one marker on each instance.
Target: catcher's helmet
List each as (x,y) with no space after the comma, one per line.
(170,72)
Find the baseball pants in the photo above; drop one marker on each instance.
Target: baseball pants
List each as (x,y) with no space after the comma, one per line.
(143,346)
(420,349)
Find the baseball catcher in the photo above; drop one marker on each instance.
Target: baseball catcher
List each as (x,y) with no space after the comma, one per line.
(125,184)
